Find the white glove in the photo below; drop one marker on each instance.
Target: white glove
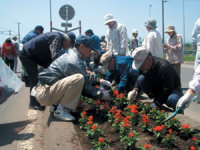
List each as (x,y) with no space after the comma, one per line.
(132,94)
(185,100)
(105,83)
(33,92)
(91,65)
(106,95)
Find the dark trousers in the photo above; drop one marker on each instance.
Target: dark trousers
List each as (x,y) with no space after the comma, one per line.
(32,70)
(10,63)
(154,90)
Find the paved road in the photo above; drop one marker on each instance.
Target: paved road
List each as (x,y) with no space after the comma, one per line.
(186,75)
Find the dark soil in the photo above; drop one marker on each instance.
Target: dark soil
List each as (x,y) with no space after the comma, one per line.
(113,137)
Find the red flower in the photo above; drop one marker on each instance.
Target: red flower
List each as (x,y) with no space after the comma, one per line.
(194,138)
(126,121)
(158,128)
(97,102)
(192,148)
(130,134)
(83,114)
(100,140)
(147,146)
(145,119)
(94,127)
(112,110)
(90,122)
(133,108)
(163,111)
(115,93)
(170,131)
(185,126)
(90,118)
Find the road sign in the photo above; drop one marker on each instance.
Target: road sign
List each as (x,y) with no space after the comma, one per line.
(64,25)
(67,12)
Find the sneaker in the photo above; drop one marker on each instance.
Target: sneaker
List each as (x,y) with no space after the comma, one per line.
(52,108)
(63,113)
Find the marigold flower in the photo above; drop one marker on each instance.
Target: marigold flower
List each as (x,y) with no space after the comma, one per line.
(94,127)
(130,134)
(185,126)
(192,148)
(100,140)
(147,146)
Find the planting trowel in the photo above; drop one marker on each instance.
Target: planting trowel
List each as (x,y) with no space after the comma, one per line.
(172,115)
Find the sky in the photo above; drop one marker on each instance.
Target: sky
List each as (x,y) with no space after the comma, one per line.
(131,13)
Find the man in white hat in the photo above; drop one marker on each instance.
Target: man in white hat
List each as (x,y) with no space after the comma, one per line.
(117,36)
(153,41)
(134,41)
(174,49)
(157,78)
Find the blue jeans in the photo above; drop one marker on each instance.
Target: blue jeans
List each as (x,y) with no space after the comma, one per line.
(153,90)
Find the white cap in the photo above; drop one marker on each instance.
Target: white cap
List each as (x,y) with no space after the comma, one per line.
(151,23)
(108,18)
(135,31)
(139,55)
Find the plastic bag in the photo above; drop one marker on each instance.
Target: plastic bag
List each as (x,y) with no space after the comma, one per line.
(9,82)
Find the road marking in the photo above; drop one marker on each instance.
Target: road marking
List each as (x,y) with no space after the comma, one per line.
(187,66)
(28,139)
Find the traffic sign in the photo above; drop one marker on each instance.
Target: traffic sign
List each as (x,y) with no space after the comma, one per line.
(64,25)
(67,12)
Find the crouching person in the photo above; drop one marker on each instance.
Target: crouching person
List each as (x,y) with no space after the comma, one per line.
(65,79)
(157,79)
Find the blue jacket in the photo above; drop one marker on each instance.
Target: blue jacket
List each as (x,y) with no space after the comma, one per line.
(44,48)
(29,36)
(123,74)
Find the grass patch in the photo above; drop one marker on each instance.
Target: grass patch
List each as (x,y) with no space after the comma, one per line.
(189,58)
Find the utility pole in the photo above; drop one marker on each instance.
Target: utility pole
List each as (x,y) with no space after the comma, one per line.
(18,32)
(183,25)
(163,22)
(50,16)
(150,10)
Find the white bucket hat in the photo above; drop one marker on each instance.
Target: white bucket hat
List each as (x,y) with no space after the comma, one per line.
(135,31)
(151,23)
(108,18)
(139,55)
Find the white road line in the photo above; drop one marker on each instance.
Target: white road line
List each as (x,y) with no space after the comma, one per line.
(187,66)
(27,142)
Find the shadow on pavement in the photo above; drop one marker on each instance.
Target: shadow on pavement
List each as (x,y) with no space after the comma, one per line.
(9,132)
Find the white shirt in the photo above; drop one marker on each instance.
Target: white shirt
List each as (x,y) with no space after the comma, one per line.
(117,40)
(195,83)
(196,34)
(153,43)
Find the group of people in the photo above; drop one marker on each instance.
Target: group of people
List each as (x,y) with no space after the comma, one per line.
(61,67)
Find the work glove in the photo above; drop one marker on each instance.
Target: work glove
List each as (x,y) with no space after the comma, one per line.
(106,95)
(185,100)
(105,83)
(132,94)
(91,65)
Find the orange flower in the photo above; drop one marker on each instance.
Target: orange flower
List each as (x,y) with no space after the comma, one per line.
(112,110)
(90,118)
(185,126)
(192,148)
(130,134)
(100,140)
(158,128)
(147,146)
(83,113)
(170,131)
(115,93)
(94,127)
(90,122)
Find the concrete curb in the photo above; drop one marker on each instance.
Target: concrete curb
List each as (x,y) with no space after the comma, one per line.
(59,135)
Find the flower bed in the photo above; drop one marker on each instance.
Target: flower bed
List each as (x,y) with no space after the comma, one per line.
(119,124)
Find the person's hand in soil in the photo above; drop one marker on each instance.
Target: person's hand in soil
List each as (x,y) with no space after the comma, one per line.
(132,94)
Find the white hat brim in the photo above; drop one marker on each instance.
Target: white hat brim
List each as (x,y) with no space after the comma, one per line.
(110,20)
